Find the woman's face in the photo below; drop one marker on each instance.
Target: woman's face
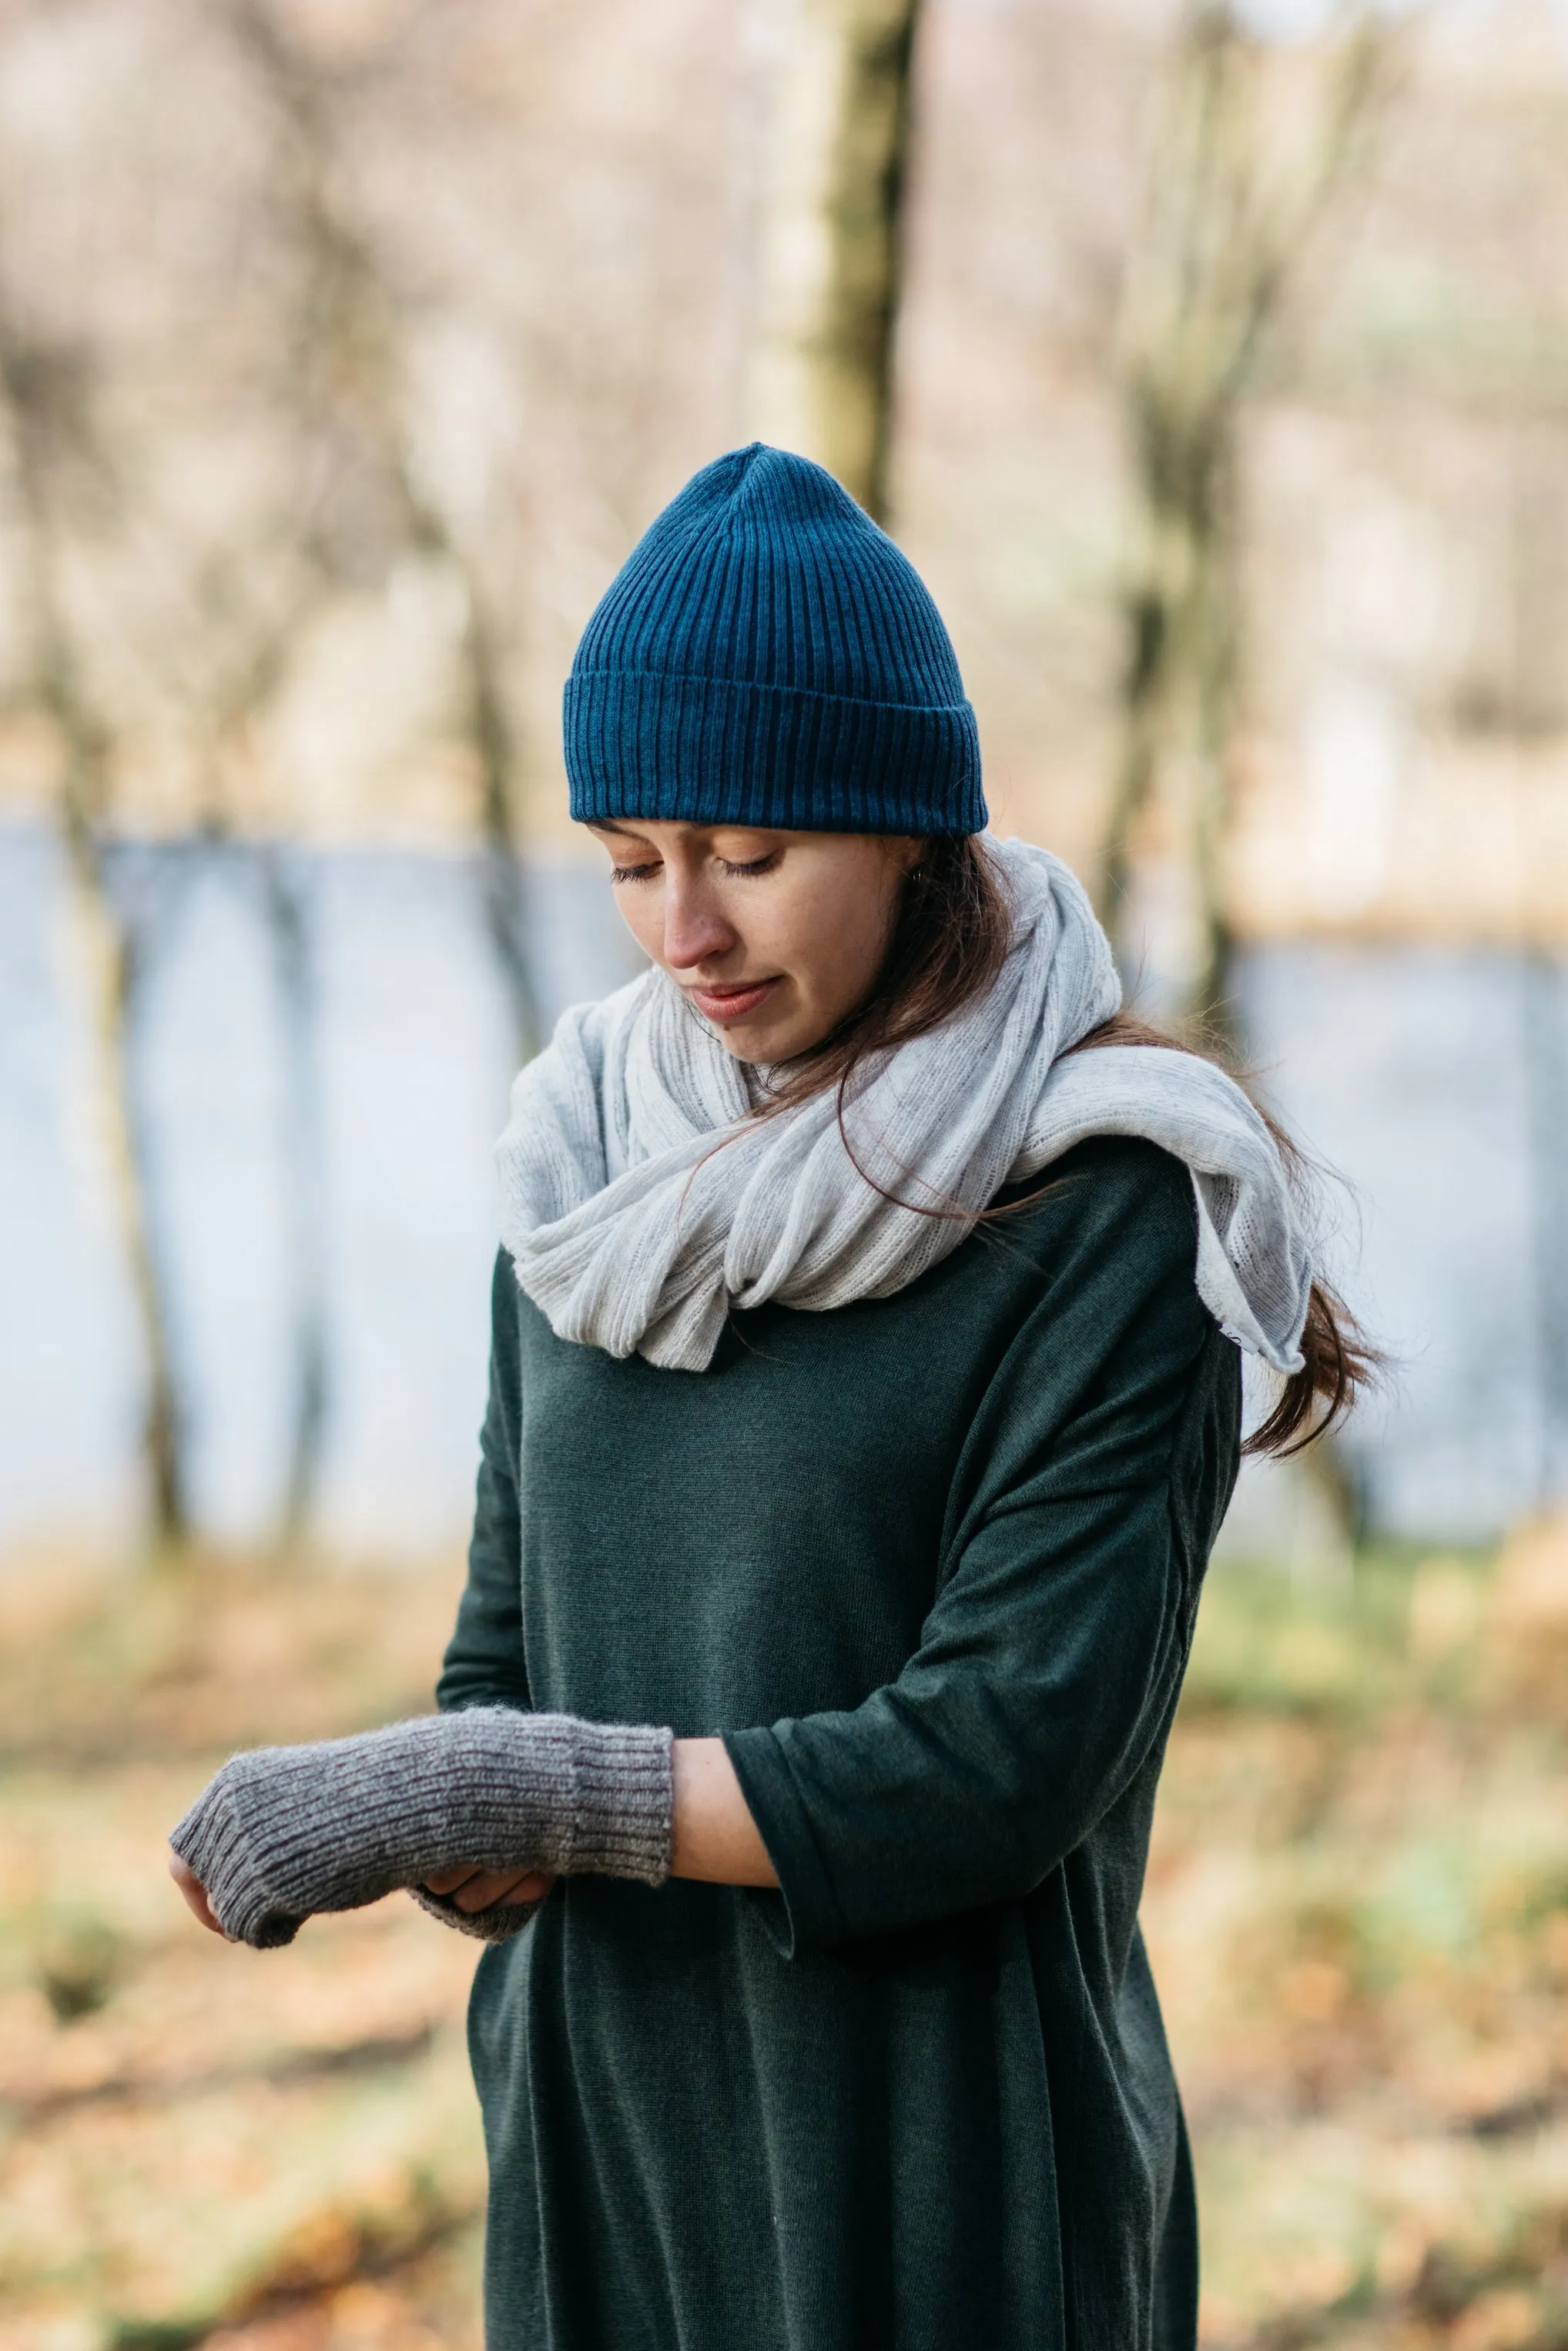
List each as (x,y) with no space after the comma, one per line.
(774,937)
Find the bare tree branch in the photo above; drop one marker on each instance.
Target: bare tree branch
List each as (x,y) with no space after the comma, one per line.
(349,336)
(1227,222)
(830,249)
(44,390)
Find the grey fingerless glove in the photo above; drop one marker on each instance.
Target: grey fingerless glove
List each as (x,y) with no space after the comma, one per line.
(497,1923)
(284,1832)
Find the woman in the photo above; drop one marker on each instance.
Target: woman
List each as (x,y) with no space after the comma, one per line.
(864,1402)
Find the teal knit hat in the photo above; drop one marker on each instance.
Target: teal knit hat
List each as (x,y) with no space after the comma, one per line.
(767,656)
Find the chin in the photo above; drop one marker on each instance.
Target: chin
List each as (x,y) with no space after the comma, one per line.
(756,1045)
(743,1047)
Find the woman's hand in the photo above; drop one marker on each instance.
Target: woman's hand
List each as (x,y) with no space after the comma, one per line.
(471,1889)
(195,1893)
(476,1889)
(281,1834)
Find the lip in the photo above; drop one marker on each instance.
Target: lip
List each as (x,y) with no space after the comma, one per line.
(724,1004)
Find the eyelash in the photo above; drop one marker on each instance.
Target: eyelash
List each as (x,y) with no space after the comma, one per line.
(642,873)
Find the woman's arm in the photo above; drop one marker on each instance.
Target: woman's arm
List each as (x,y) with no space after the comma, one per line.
(715,1838)
(1049,1667)
(1083,1594)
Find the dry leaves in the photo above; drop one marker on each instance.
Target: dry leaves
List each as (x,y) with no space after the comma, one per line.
(1358,1911)
(1358,1914)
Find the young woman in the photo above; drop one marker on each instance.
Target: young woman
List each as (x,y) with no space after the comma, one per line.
(864,1402)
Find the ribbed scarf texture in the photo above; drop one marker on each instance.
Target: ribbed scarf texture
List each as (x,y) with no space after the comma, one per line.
(642,1201)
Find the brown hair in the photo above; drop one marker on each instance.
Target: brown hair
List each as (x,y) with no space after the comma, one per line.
(948,946)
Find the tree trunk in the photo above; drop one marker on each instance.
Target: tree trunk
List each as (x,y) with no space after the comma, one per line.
(506,909)
(1226,218)
(110,958)
(828,257)
(304,1186)
(351,316)
(1162,892)
(41,396)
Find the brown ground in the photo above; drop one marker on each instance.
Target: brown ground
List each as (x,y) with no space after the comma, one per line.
(1358,1909)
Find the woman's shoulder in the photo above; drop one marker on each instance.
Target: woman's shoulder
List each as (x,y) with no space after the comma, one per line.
(1111,1184)
(1093,1277)
(1106,1232)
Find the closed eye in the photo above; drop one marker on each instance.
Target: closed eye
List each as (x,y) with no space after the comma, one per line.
(634,873)
(756,865)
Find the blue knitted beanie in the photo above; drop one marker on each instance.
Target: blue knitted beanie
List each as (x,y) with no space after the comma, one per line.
(765,656)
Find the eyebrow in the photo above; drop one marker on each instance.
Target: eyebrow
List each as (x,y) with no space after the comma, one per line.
(605,824)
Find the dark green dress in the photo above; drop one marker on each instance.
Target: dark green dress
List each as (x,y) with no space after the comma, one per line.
(930,1563)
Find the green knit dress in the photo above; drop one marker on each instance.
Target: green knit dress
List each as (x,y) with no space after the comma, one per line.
(930,1563)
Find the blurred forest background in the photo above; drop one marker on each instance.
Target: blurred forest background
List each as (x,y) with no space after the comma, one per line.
(1212,360)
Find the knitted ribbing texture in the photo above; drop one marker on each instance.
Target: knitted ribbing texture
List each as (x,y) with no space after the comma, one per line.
(767,656)
(642,1203)
(284,1832)
(498,1922)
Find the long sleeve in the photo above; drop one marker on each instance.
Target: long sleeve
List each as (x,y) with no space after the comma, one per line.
(485,1664)
(1048,1669)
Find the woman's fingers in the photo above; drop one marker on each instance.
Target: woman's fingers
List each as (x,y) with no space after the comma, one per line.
(531,1888)
(196,1895)
(483,1887)
(447,1881)
(471,1888)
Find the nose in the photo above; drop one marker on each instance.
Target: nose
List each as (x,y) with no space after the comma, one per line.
(696,929)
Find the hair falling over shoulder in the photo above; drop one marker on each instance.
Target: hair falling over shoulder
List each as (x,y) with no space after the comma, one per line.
(1338,1361)
(949,947)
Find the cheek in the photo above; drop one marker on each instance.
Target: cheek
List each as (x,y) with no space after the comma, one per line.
(637,905)
(847,936)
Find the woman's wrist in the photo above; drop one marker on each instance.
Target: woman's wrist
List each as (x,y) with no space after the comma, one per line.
(715,1838)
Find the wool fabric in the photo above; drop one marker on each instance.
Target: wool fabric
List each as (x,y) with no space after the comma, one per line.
(281,1833)
(642,1201)
(929,1566)
(767,656)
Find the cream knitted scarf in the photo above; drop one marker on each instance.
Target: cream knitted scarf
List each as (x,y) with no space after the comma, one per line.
(641,1201)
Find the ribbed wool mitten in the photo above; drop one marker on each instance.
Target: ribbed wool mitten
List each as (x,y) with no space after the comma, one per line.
(284,1832)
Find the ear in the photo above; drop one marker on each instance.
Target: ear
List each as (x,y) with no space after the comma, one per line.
(906,850)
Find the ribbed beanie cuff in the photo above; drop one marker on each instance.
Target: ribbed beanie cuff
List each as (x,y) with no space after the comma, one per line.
(706,750)
(768,656)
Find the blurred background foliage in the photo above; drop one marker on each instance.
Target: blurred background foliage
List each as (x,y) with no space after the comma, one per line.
(1357,1911)
(1210,356)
